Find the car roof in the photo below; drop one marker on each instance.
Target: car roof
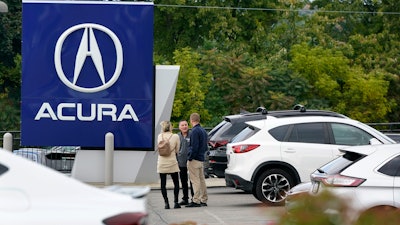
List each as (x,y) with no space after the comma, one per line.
(262,114)
(304,118)
(297,113)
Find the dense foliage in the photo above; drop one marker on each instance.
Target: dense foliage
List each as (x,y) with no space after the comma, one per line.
(235,55)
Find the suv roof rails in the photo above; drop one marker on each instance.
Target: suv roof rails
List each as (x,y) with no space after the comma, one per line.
(300,110)
(304,112)
(297,111)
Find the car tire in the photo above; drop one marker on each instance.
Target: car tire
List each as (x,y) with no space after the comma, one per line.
(255,195)
(272,187)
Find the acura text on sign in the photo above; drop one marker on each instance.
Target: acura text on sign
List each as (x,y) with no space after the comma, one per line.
(87,70)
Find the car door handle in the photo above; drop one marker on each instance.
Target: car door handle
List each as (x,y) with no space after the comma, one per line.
(290,150)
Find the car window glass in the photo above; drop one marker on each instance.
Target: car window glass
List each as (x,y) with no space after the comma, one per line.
(228,131)
(3,169)
(279,133)
(244,134)
(216,128)
(391,168)
(308,133)
(234,130)
(339,164)
(345,134)
(220,132)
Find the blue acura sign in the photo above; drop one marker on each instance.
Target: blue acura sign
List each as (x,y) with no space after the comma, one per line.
(87,69)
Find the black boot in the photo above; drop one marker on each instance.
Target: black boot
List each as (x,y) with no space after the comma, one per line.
(166,203)
(177,206)
(184,202)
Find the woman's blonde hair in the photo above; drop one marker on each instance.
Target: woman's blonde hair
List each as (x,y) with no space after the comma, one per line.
(166,126)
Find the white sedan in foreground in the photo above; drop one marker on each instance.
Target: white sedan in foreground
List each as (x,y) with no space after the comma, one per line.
(366,180)
(34,194)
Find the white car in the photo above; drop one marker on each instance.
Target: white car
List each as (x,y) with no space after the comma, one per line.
(31,193)
(272,155)
(366,177)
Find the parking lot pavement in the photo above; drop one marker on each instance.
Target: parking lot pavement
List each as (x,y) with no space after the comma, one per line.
(226,206)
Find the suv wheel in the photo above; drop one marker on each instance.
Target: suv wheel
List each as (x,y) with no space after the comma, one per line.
(272,186)
(255,195)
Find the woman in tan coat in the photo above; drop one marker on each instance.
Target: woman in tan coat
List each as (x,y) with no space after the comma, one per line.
(169,164)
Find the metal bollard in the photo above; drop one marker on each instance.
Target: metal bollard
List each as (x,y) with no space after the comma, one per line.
(8,142)
(109,159)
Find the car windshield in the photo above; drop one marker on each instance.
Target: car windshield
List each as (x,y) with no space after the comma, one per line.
(340,163)
(244,134)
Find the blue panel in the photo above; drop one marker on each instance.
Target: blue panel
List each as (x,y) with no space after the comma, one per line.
(83,64)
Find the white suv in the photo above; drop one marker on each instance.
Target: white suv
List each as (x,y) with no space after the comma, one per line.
(272,155)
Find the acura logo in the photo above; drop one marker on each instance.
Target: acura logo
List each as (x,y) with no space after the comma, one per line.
(88,47)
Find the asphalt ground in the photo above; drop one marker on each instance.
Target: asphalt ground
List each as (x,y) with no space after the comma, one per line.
(226,206)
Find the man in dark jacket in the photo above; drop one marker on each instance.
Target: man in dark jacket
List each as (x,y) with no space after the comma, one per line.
(197,149)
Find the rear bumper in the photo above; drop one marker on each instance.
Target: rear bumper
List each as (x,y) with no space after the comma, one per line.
(217,168)
(238,182)
(217,162)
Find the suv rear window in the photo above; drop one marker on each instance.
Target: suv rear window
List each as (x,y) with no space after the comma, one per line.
(245,133)
(228,131)
(340,163)
(216,128)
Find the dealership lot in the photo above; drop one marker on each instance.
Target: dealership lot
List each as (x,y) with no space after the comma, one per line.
(226,206)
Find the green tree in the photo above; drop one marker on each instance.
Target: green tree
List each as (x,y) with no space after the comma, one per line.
(192,87)
(346,89)
(324,69)
(10,66)
(365,97)
(10,96)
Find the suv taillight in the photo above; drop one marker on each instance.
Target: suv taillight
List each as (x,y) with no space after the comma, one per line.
(243,148)
(338,180)
(127,219)
(216,144)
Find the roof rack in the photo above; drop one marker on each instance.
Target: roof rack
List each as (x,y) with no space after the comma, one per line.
(297,111)
(299,107)
(262,110)
(300,110)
